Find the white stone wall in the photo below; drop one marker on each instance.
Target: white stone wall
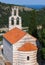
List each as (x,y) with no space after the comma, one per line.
(22,59)
(15,58)
(8,50)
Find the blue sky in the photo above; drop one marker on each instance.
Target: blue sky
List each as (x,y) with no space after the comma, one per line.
(25,2)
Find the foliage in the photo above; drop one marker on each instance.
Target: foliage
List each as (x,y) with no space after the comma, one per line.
(0,38)
(43,53)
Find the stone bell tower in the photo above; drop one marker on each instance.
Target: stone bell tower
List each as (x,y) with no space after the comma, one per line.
(15,19)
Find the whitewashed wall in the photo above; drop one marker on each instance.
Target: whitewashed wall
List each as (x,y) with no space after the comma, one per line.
(8,50)
(15,58)
(23,58)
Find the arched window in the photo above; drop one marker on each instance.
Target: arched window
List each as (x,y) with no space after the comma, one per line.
(17,21)
(27,57)
(12,21)
(14,12)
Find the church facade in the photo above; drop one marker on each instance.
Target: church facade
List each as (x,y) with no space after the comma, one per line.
(19,47)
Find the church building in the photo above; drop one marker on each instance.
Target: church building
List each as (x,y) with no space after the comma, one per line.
(19,47)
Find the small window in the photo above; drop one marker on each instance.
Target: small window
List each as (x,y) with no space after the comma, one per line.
(17,21)
(12,21)
(15,12)
(27,57)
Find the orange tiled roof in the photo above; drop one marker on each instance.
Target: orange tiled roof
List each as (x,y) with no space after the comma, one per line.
(14,35)
(28,47)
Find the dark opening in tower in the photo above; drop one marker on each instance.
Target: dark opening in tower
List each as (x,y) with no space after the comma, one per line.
(14,12)
(12,21)
(17,21)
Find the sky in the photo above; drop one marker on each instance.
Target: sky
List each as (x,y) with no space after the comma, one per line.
(24,2)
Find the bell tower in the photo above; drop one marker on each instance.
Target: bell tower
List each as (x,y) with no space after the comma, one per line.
(15,20)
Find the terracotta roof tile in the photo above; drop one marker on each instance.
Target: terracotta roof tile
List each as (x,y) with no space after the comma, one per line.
(14,35)
(28,47)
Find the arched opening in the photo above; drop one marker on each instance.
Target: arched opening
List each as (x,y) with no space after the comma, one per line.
(14,12)
(17,21)
(12,21)
(27,57)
